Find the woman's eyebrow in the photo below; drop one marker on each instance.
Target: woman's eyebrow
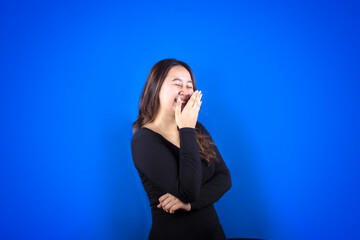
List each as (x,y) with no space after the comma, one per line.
(180,80)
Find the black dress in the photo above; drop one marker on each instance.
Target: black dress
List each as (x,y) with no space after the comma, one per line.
(165,168)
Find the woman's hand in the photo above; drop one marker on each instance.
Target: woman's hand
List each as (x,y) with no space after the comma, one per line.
(188,116)
(170,203)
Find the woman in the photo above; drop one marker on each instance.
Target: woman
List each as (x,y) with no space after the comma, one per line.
(179,165)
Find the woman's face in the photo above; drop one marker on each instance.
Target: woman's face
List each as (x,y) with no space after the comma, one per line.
(176,84)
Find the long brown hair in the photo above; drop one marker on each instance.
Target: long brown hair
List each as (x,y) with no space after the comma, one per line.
(149,103)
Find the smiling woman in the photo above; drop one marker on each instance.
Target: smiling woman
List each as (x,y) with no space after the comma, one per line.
(179,83)
(178,162)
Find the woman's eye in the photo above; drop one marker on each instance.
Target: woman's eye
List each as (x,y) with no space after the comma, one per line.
(179,85)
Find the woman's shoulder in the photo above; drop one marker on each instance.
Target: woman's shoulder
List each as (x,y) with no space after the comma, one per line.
(145,134)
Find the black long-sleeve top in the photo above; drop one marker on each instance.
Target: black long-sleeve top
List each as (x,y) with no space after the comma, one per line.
(165,168)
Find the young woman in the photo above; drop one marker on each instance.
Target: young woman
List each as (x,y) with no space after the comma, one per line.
(179,165)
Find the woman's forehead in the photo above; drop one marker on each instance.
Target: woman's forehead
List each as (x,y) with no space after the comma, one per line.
(179,73)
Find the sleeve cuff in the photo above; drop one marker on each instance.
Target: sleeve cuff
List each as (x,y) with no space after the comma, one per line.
(186,130)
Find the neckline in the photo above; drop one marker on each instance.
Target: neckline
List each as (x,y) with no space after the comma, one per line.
(160,136)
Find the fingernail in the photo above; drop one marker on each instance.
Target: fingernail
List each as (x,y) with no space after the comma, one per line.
(178,99)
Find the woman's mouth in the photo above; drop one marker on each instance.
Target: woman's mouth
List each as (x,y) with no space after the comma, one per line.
(183,100)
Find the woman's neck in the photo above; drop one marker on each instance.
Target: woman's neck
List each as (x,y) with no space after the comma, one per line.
(167,124)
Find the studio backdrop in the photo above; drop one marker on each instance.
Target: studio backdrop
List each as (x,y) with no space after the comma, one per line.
(280,83)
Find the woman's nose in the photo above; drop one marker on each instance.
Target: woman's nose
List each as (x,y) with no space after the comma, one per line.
(185,91)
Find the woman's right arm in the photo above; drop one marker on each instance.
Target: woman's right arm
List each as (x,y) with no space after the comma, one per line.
(153,158)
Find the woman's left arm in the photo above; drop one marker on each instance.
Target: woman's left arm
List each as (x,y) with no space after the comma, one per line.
(210,192)
(216,187)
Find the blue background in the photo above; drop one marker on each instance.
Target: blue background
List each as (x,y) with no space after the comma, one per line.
(281,99)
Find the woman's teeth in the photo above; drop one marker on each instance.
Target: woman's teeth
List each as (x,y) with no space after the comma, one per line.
(180,101)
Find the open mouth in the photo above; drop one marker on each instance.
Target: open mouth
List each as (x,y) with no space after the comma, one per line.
(184,101)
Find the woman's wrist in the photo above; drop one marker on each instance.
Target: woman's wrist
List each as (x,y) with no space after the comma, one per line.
(187,125)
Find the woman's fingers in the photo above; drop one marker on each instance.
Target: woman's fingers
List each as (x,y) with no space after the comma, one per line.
(170,205)
(174,207)
(178,107)
(169,202)
(192,99)
(187,117)
(180,205)
(198,100)
(163,197)
(166,201)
